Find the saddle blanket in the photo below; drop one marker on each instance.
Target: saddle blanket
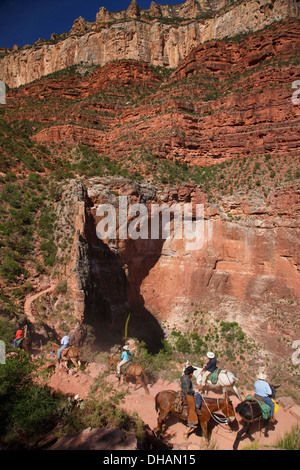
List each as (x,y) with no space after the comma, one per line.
(265,408)
(214,376)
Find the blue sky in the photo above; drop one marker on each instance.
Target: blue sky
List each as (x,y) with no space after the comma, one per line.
(25,21)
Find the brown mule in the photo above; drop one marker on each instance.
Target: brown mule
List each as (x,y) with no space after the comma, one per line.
(164,404)
(133,372)
(71,353)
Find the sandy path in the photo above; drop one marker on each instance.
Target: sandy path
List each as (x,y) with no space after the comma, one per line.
(29,299)
(144,405)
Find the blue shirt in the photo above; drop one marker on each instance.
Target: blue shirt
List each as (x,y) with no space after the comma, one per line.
(211,365)
(126,355)
(262,388)
(65,341)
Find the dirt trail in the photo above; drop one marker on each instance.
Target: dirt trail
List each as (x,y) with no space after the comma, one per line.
(144,405)
(29,299)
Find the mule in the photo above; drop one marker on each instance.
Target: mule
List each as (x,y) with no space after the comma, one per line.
(25,344)
(164,405)
(71,353)
(226,380)
(250,412)
(133,372)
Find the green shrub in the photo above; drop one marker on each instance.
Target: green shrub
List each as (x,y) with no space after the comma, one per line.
(24,404)
(290,440)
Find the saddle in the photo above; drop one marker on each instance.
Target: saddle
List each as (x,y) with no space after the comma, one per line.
(125,367)
(265,408)
(64,351)
(180,403)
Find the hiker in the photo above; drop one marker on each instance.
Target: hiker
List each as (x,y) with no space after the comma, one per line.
(65,342)
(19,335)
(189,394)
(210,367)
(124,358)
(264,391)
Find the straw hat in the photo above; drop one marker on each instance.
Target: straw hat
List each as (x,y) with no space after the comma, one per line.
(210,354)
(261,376)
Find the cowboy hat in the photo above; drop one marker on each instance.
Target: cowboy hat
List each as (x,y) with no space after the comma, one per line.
(189,370)
(210,354)
(261,376)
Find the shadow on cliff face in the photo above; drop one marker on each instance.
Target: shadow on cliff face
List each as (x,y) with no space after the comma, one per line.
(115,279)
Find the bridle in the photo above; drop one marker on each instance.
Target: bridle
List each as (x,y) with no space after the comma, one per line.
(218,419)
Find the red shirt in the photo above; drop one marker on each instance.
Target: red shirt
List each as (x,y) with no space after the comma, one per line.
(19,334)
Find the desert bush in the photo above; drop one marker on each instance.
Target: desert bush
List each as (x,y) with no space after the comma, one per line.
(24,404)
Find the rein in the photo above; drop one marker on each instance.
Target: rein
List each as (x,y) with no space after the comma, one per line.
(219,420)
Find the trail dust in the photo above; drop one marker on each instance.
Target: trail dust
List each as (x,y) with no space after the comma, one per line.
(222,437)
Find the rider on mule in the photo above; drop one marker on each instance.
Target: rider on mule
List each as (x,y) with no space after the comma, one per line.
(19,335)
(209,368)
(125,358)
(189,394)
(65,342)
(264,391)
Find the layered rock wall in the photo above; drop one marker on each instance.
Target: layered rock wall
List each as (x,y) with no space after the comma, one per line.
(244,270)
(136,34)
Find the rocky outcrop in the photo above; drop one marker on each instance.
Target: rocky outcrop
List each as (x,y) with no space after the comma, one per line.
(241,268)
(97,439)
(164,39)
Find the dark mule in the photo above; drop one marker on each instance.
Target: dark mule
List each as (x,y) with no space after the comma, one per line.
(250,412)
(164,404)
(134,372)
(25,344)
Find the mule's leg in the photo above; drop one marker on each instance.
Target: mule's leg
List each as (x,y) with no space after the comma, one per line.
(144,384)
(265,425)
(238,438)
(244,430)
(162,415)
(236,392)
(205,430)
(188,431)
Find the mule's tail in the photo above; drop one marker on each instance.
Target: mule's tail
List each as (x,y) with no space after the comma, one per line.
(145,378)
(156,404)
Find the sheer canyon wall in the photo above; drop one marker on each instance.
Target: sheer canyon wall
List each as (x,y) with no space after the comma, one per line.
(162,35)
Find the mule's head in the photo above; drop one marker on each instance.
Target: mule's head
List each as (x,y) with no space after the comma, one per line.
(229,410)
